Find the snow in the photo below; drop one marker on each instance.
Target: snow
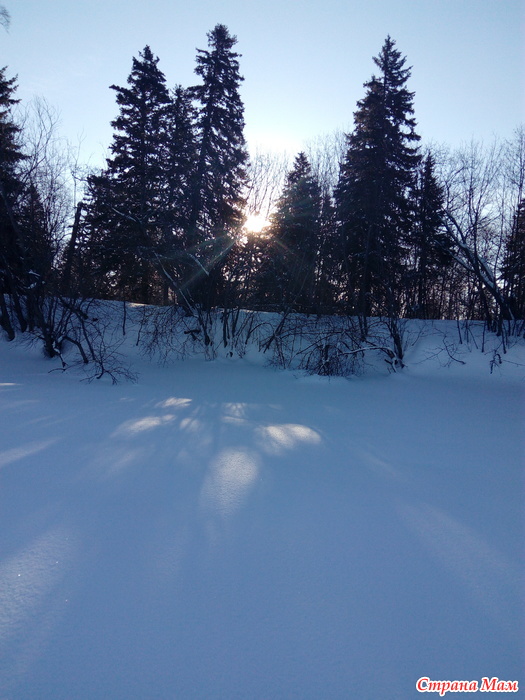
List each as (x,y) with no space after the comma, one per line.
(225,530)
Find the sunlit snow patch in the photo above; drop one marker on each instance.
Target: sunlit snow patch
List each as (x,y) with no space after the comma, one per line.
(275,439)
(229,480)
(140,425)
(16,453)
(174,402)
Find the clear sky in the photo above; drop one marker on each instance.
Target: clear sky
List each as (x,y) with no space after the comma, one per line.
(304,61)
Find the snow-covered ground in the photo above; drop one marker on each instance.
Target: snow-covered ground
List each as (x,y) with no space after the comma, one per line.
(223,530)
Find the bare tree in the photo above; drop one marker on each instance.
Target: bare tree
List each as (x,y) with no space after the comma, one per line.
(47,168)
(267,172)
(5,18)
(483,185)
(326,153)
(470,177)
(514,165)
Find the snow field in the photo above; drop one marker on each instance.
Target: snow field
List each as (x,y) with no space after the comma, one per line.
(224,530)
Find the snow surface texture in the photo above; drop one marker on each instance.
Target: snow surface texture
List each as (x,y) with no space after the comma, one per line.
(225,530)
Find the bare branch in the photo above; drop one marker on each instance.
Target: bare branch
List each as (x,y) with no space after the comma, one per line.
(5,18)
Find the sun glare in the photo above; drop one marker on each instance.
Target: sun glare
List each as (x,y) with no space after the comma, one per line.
(255,223)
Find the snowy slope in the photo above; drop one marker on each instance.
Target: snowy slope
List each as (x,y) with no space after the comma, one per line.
(224,530)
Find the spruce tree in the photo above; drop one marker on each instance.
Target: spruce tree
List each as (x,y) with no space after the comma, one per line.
(174,256)
(13,279)
(11,157)
(294,241)
(328,272)
(513,266)
(219,178)
(126,206)
(374,192)
(180,161)
(430,246)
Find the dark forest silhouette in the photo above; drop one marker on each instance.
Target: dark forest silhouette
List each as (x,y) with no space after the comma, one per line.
(398,232)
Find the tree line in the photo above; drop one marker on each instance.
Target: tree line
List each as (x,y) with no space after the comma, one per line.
(376,228)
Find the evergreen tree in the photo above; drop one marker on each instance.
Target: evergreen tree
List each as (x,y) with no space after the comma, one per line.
(12,264)
(178,154)
(373,195)
(329,272)
(181,157)
(288,276)
(513,266)
(174,256)
(219,178)
(127,200)
(431,252)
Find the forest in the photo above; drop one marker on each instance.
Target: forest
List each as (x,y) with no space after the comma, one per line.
(361,230)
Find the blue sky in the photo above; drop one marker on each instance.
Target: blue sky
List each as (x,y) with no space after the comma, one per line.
(304,62)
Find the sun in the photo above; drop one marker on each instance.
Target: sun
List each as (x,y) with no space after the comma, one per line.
(255,223)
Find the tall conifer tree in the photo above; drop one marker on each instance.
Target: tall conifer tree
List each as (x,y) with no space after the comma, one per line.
(513,267)
(13,270)
(430,247)
(10,158)
(180,161)
(328,264)
(216,211)
(128,198)
(373,195)
(289,273)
